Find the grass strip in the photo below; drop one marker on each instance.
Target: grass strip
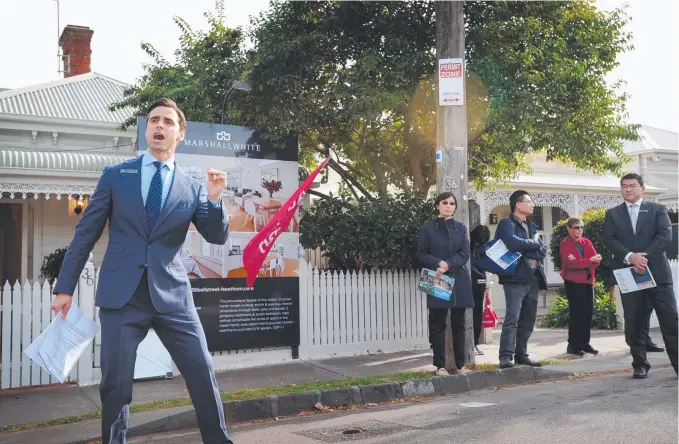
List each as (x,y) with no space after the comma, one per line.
(243,394)
(256,393)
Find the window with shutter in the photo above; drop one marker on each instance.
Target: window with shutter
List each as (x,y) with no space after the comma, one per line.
(536,218)
(558,214)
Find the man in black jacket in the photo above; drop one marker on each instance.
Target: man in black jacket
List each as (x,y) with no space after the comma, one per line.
(521,288)
(637,233)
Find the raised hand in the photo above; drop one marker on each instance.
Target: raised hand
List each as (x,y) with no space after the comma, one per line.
(216,183)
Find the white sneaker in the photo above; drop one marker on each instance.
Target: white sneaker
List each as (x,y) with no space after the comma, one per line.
(442,372)
(463,370)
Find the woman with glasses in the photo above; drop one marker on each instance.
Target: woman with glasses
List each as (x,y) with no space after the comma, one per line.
(443,246)
(579,261)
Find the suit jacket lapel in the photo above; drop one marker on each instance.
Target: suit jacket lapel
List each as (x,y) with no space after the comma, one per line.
(132,183)
(644,215)
(175,195)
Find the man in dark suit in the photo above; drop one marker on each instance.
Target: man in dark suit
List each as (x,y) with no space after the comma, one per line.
(638,232)
(149,204)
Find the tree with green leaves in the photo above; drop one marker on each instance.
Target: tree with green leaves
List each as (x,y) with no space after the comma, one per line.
(207,63)
(356,80)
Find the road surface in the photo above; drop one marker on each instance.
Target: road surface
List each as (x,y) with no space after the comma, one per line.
(613,409)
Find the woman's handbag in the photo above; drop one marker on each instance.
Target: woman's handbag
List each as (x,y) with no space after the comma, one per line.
(490,318)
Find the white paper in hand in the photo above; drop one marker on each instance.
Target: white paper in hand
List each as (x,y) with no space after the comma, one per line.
(499,254)
(61,344)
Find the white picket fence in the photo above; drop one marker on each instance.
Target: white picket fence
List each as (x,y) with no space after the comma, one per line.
(347,313)
(340,314)
(25,314)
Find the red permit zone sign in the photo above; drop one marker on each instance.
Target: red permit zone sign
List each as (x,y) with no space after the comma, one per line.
(450,70)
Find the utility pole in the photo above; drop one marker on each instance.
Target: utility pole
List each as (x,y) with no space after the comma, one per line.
(451,134)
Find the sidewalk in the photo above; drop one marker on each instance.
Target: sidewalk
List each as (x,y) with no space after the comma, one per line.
(26,406)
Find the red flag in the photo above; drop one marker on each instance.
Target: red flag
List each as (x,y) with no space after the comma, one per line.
(259,246)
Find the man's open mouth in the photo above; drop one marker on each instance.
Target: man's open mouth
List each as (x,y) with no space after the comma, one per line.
(158,137)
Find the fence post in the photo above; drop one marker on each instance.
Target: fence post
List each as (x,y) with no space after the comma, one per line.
(6,347)
(86,302)
(303,309)
(619,314)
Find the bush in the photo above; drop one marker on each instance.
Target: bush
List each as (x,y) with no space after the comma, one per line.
(558,315)
(594,231)
(51,264)
(366,234)
(603,315)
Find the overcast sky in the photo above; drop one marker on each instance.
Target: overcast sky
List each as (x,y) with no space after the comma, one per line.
(29,34)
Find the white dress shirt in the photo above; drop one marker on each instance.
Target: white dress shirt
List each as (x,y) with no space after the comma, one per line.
(631,209)
(148,170)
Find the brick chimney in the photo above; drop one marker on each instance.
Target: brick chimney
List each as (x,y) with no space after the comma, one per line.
(76,52)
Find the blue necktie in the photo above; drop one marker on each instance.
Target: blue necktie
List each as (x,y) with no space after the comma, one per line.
(154,198)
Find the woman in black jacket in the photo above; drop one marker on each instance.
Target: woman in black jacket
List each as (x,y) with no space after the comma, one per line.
(480,283)
(443,245)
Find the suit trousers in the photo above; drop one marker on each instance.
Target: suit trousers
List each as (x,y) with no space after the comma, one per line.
(437,335)
(649,309)
(182,334)
(635,310)
(580,307)
(479,292)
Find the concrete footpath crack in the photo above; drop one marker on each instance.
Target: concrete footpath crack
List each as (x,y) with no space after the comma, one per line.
(320,367)
(89,397)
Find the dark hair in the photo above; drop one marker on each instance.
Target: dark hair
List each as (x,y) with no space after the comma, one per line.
(572,221)
(633,176)
(516,197)
(169,103)
(479,236)
(443,196)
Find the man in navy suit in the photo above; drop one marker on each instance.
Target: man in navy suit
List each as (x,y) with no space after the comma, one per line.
(149,204)
(638,233)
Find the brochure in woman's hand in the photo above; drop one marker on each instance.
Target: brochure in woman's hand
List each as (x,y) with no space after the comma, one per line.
(440,286)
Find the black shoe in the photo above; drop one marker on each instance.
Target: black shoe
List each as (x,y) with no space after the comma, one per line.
(529,362)
(575,351)
(653,348)
(589,349)
(640,373)
(507,364)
